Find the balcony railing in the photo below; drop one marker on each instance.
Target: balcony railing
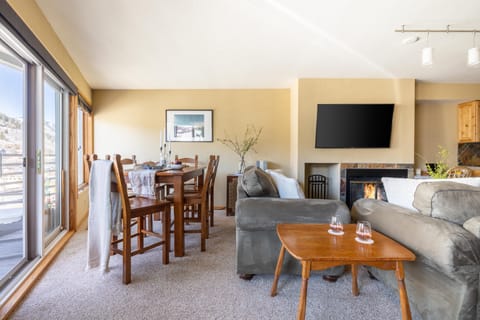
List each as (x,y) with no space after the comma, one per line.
(11,179)
(12,184)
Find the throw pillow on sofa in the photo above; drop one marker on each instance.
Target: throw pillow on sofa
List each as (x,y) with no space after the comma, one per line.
(400,191)
(287,187)
(451,201)
(258,183)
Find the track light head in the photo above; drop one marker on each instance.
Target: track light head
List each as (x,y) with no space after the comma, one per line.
(473,59)
(427,57)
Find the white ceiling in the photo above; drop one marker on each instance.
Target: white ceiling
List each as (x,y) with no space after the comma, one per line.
(178,44)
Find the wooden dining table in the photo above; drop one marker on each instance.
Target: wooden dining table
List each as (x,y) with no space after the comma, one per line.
(177,178)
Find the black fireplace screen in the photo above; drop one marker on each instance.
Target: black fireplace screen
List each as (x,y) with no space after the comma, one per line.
(367,183)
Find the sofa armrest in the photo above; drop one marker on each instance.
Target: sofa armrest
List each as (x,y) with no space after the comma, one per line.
(240,191)
(443,245)
(266,213)
(473,225)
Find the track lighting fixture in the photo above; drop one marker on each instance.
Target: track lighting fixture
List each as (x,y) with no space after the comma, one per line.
(473,54)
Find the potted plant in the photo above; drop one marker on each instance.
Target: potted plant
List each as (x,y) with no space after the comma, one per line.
(439,169)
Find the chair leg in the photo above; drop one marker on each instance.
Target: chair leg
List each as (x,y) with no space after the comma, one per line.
(212,208)
(115,245)
(171,225)
(166,233)
(207,221)
(150,221)
(204,226)
(127,250)
(140,227)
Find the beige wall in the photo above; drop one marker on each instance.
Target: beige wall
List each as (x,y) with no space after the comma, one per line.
(33,17)
(401,92)
(436,118)
(447,91)
(436,125)
(129,122)
(294,125)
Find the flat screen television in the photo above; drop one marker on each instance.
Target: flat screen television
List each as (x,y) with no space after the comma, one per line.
(353,125)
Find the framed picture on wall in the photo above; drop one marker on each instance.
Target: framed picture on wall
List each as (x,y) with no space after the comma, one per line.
(189,125)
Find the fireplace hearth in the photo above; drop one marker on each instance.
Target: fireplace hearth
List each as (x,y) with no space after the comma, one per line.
(367,183)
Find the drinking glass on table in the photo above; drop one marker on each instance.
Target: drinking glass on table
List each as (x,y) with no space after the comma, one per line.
(336,225)
(364,231)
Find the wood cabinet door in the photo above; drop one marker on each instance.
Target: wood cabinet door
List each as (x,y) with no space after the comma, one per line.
(468,122)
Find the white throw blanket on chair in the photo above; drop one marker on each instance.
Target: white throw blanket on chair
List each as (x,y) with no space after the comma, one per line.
(104,215)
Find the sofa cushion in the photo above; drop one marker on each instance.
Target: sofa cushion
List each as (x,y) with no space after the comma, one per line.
(400,191)
(473,225)
(287,187)
(451,201)
(257,183)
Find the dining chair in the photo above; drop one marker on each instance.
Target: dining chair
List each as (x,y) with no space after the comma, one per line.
(191,161)
(128,165)
(196,209)
(211,194)
(192,184)
(135,208)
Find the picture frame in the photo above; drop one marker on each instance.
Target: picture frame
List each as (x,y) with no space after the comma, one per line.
(189,125)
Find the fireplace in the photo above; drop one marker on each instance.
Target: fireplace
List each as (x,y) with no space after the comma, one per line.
(367,183)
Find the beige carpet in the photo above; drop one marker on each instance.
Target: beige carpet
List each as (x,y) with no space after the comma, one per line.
(201,285)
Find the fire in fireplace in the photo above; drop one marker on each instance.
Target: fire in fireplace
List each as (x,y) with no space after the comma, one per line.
(370,190)
(367,189)
(367,183)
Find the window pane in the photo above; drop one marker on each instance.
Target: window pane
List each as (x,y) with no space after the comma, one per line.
(12,212)
(52,105)
(80,148)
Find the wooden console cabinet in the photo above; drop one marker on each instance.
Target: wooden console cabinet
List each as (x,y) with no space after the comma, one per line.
(469,122)
(232,181)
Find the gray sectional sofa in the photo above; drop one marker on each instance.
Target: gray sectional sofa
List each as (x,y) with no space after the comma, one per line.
(444,233)
(259,210)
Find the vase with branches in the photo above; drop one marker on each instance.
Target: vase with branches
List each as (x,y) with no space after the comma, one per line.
(241,146)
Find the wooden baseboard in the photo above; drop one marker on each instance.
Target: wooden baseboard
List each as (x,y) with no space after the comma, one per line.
(14,300)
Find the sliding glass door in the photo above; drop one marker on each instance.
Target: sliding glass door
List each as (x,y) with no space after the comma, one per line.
(12,170)
(33,160)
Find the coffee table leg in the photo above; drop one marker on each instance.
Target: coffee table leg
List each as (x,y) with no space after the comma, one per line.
(278,269)
(402,291)
(302,304)
(354,280)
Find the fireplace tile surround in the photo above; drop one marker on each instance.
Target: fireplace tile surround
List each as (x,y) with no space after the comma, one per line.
(337,174)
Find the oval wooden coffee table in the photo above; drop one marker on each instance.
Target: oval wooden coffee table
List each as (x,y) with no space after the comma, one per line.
(316,249)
